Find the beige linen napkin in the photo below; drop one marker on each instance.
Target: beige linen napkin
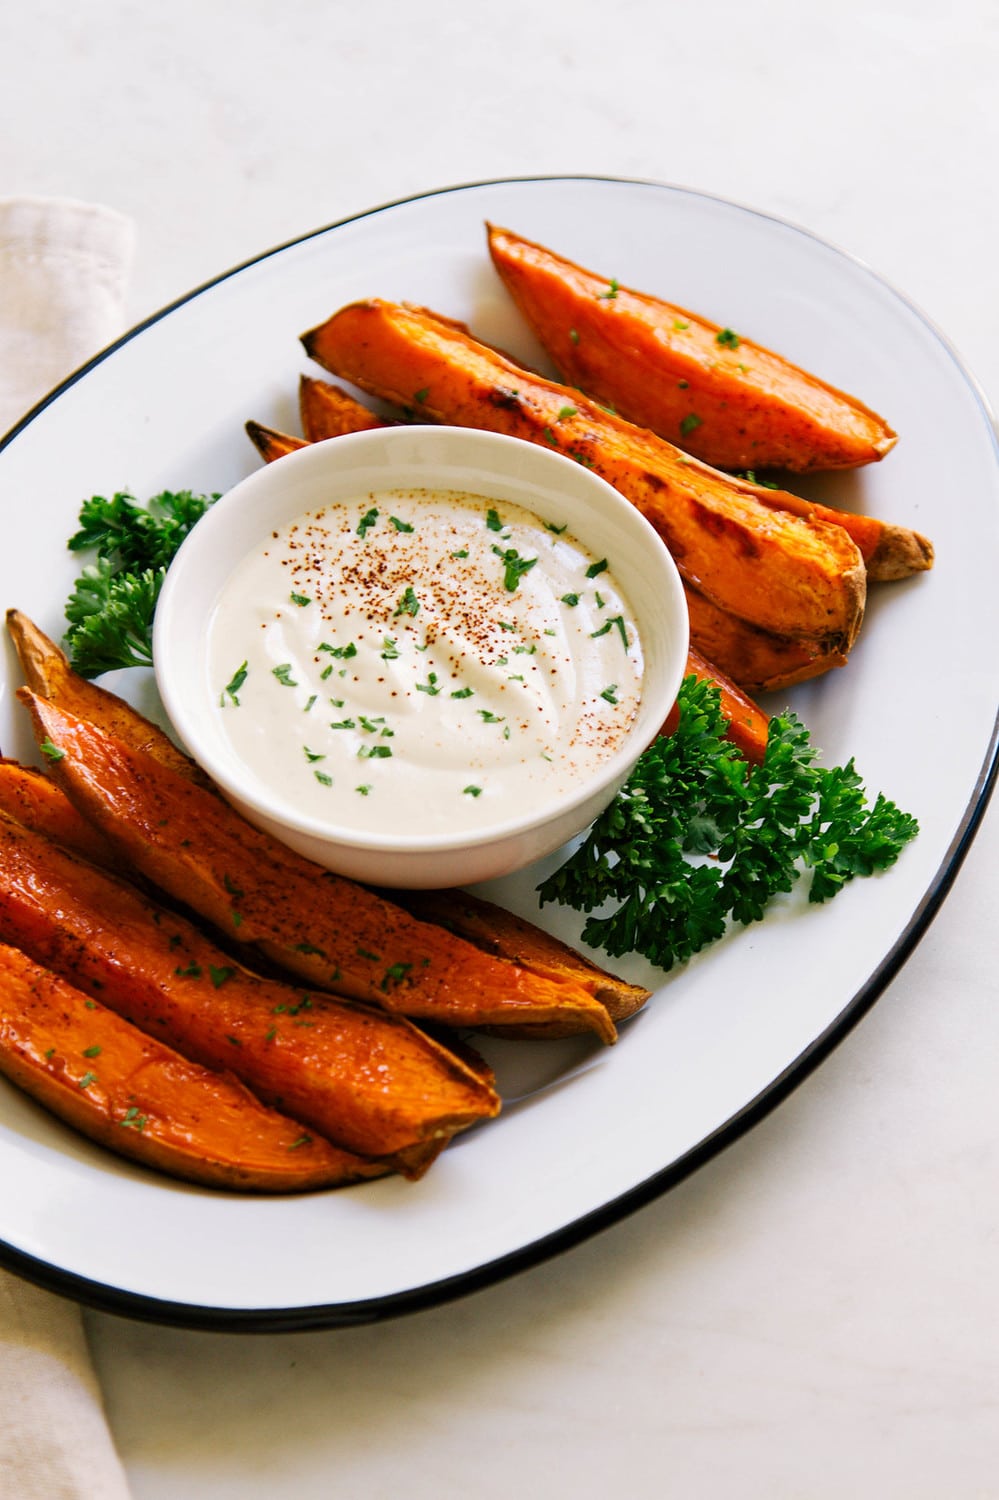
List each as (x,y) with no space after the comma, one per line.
(63,271)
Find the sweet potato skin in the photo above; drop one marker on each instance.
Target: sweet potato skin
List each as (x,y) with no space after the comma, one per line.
(327,931)
(141,1099)
(721,396)
(367,1081)
(790,574)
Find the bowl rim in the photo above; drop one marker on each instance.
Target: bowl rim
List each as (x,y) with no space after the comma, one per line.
(188,718)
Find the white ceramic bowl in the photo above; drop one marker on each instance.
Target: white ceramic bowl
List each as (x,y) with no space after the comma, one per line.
(443,458)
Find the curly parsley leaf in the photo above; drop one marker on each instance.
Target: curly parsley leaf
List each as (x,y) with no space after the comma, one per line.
(110,611)
(698,838)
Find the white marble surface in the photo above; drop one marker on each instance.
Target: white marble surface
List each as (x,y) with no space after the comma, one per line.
(815,1313)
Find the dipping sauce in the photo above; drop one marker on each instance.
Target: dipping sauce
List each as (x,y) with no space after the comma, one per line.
(419,661)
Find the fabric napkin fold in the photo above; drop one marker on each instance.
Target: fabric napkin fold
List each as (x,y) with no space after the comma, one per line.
(63,274)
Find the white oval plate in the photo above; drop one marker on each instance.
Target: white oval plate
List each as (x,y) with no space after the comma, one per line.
(585,1135)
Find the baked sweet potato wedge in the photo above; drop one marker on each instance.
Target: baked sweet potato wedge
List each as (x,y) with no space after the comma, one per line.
(29,797)
(270,443)
(371,1083)
(784,572)
(141,1099)
(714,392)
(495,930)
(757,660)
(327,931)
(326,411)
(47,672)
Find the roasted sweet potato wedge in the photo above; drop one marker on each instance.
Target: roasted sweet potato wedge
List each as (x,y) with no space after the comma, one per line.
(31,798)
(757,660)
(367,1081)
(326,930)
(498,931)
(327,411)
(48,673)
(714,392)
(791,574)
(141,1099)
(270,443)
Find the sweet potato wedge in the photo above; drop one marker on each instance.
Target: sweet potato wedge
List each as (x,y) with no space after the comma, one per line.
(757,660)
(367,1081)
(270,443)
(326,930)
(141,1099)
(29,797)
(48,673)
(327,411)
(495,930)
(787,573)
(716,393)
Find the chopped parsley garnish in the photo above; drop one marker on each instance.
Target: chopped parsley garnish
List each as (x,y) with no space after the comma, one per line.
(461,554)
(573,336)
(549,436)
(472,791)
(323,777)
(514,566)
(614,621)
(93,1051)
(343,724)
(698,839)
(390,650)
(193,971)
(490,718)
(311,755)
(366,522)
(374,752)
(565,413)
(679,325)
(219,974)
(727,339)
(689,423)
(300,599)
(232,687)
(571,599)
(51,751)
(311,701)
(342,653)
(364,789)
(408,603)
(751,476)
(431,686)
(400,525)
(87,1080)
(132,1119)
(610,693)
(395,974)
(493,521)
(595,569)
(557,530)
(421,396)
(283,674)
(610,293)
(465,692)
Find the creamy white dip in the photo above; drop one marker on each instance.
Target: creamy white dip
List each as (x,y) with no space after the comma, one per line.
(420,661)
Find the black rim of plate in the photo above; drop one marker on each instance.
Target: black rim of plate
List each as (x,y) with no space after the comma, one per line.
(346,1314)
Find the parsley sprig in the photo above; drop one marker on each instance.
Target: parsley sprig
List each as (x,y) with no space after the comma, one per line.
(110,611)
(693,795)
